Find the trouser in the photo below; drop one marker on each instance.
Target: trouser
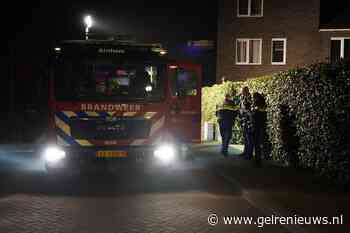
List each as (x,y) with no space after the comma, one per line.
(248,143)
(259,140)
(226,135)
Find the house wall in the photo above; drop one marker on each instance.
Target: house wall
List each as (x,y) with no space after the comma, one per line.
(297,21)
(326,42)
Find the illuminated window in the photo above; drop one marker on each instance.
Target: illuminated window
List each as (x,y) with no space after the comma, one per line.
(106,80)
(183,82)
(278,51)
(340,49)
(248,51)
(250,8)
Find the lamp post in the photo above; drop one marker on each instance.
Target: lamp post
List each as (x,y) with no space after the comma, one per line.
(88,24)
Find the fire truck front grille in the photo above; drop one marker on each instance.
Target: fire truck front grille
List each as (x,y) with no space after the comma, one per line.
(101,129)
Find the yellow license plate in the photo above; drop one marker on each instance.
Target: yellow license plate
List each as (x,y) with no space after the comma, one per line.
(111,154)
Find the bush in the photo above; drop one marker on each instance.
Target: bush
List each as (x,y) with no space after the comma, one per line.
(308,117)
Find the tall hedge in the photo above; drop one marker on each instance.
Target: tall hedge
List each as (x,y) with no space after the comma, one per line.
(308,116)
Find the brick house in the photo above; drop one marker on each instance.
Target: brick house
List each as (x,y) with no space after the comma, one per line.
(260,37)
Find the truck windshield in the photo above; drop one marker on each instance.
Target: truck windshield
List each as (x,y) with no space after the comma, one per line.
(107,81)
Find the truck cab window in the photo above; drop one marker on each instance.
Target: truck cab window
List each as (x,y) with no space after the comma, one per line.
(184,82)
(103,80)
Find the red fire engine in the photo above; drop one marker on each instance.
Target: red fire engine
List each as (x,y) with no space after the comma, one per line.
(120,101)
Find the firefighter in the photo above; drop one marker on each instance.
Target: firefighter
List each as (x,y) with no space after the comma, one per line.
(259,125)
(245,116)
(226,114)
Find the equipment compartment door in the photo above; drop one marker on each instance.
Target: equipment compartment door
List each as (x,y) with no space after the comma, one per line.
(185,101)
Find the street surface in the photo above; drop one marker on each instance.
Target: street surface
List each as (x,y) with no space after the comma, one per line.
(145,199)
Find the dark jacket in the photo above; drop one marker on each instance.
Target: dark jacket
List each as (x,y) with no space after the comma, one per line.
(245,115)
(259,122)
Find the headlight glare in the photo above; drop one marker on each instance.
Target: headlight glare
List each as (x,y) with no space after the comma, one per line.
(165,153)
(54,154)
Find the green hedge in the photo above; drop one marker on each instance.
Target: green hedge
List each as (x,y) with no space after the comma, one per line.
(308,116)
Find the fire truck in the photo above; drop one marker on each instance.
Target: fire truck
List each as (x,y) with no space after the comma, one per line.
(120,101)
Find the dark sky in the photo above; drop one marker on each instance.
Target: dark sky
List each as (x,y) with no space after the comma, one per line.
(29,29)
(37,25)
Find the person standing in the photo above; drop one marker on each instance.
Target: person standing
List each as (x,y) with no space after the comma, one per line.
(226,114)
(259,116)
(245,115)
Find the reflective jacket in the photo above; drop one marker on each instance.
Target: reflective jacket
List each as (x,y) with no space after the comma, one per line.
(227,112)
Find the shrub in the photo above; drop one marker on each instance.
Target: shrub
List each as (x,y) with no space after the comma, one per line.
(308,116)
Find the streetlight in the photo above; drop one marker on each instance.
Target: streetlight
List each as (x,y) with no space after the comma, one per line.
(88,24)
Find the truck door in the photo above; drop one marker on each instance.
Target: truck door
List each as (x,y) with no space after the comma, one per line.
(185,101)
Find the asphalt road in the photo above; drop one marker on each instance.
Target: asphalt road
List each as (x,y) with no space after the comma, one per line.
(179,198)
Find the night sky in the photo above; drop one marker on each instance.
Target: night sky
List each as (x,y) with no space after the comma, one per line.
(31,28)
(34,26)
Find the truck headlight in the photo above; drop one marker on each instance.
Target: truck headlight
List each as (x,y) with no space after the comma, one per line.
(54,154)
(148,88)
(165,153)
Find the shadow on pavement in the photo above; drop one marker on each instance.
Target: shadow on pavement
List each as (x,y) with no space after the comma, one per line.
(287,190)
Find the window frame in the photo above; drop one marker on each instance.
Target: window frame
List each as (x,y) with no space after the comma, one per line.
(342,45)
(247,51)
(250,10)
(284,62)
